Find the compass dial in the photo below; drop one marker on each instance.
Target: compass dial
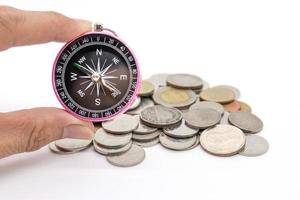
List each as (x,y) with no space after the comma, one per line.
(96,76)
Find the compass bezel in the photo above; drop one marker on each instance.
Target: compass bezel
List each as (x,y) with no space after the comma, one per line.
(101,118)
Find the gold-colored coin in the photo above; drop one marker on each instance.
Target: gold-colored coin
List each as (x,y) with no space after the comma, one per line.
(231,107)
(147,88)
(173,97)
(244,107)
(218,94)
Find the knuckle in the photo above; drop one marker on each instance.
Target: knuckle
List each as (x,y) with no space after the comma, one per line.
(36,136)
(57,20)
(9,19)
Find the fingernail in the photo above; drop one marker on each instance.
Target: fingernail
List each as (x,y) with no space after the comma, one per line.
(78,131)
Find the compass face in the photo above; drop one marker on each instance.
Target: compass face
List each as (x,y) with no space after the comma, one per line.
(96,76)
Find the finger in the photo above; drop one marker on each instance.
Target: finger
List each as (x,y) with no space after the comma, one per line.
(29,130)
(19,27)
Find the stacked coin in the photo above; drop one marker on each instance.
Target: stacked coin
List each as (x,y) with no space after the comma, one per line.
(179,111)
(69,146)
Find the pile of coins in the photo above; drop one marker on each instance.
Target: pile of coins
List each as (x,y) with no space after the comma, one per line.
(179,111)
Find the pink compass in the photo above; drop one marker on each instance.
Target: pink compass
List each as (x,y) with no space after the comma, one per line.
(96,75)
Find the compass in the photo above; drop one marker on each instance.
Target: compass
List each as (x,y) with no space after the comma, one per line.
(96,75)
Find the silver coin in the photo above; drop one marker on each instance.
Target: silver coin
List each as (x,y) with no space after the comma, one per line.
(120,125)
(176,143)
(132,157)
(195,144)
(246,121)
(146,137)
(205,85)
(224,119)
(106,151)
(56,150)
(159,80)
(255,146)
(172,97)
(135,104)
(208,104)
(109,140)
(223,140)
(142,128)
(180,131)
(149,143)
(202,118)
(160,116)
(70,144)
(234,89)
(185,81)
(197,91)
(145,103)
(185,110)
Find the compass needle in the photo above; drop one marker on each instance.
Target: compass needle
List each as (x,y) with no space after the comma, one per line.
(110,82)
(108,86)
(83,69)
(114,89)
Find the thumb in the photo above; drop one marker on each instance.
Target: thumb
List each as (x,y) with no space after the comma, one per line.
(29,130)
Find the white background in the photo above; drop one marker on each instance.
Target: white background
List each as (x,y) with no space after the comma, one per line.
(253,45)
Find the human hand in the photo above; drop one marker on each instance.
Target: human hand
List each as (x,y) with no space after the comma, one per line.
(29,130)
